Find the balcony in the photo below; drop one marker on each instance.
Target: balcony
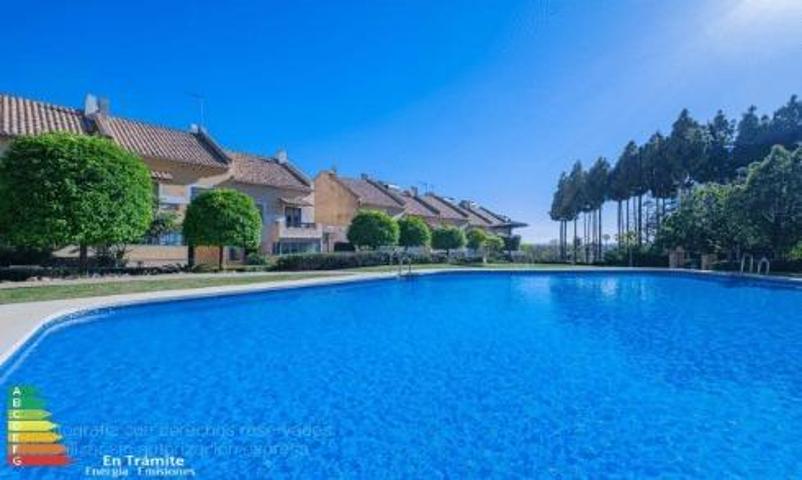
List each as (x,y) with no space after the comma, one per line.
(299,230)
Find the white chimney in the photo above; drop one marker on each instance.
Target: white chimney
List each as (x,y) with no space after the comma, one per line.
(91,106)
(281,156)
(414,191)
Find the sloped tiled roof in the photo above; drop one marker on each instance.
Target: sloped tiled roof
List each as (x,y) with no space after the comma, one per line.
(476,219)
(447,210)
(493,219)
(21,116)
(163,143)
(259,170)
(414,205)
(371,193)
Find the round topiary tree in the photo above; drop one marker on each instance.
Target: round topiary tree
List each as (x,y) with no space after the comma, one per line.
(62,189)
(413,232)
(476,238)
(373,229)
(223,217)
(448,238)
(494,244)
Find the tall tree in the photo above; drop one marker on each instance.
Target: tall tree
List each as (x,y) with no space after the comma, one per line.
(658,173)
(685,150)
(597,193)
(557,212)
(786,125)
(718,166)
(574,200)
(750,140)
(772,198)
(618,192)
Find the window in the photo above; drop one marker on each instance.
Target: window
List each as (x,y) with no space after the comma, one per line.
(292,216)
(285,247)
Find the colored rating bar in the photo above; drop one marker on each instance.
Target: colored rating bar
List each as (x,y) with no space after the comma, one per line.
(34,437)
(36,449)
(31,426)
(21,414)
(32,441)
(27,403)
(38,460)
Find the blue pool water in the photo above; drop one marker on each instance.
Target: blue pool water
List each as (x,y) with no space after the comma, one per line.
(454,375)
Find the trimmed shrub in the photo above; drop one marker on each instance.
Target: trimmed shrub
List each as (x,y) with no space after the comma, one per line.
(336,261)
(373,229)
(413,232)
(331,261)
(61,189)
(223,217)
(343,247)
(448,238)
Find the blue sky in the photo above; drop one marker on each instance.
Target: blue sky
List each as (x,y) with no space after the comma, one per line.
(486,100)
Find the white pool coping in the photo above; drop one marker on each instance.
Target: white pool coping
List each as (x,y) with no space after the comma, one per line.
(20,322)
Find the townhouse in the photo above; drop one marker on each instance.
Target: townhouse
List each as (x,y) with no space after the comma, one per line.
(299,215)
(339,198)
(182,165)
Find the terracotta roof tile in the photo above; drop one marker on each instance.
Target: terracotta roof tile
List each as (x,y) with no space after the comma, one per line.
(476,219)
(414,205)
(164,143)
(21,116)
(370,193)
(259,170)
(448,211)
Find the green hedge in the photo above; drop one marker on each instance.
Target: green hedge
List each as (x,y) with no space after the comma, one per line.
(336,261)
(20,274)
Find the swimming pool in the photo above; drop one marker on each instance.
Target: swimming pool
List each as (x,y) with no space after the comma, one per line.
(458,375)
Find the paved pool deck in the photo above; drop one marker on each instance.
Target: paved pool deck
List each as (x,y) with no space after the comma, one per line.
(19,322)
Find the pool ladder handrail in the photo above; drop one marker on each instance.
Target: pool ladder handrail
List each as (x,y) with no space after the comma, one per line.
(401,259)
(763,261)
(751,262)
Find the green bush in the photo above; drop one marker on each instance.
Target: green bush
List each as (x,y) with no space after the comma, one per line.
(331,261)
(223,217)
(61,189)
(413,232)
(343,247)
(475,238)
(259,260)
(448,238)
(373,229)
(337,261)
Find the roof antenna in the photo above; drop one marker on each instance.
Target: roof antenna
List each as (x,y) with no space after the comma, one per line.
(202,104)
(427,187)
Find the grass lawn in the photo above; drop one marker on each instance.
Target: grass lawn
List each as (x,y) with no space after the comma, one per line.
(77,290)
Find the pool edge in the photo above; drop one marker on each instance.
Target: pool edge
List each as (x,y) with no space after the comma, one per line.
(55,312)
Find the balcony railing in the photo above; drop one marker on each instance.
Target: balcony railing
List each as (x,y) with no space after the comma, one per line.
(301,225)
(299,230)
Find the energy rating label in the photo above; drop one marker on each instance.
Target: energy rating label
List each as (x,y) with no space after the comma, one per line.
(33,440)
